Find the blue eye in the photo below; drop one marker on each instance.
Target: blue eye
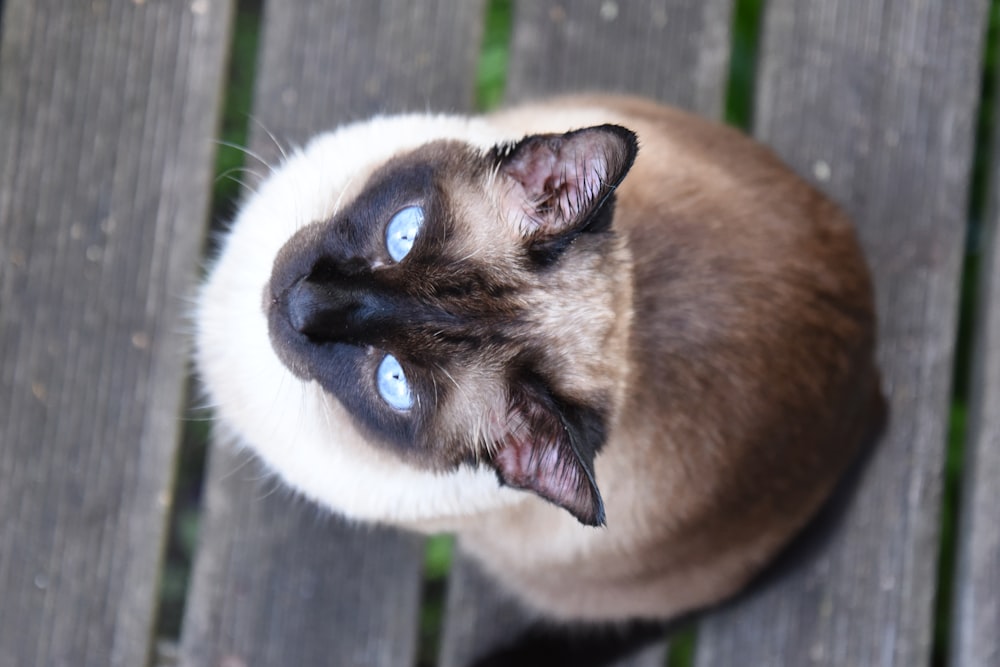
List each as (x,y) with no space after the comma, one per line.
(392,384)
(402,231)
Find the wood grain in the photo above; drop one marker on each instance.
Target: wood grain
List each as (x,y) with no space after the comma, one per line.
(326,63)
(671,50)
(875,102)
(275,582)
(107,110)
(479,616)
(279,581)
(976,609)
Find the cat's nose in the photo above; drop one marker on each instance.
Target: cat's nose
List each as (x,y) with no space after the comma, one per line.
(319,310)
(338,310)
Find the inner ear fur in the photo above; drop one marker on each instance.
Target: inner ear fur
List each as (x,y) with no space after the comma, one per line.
(547,446)
(560,181)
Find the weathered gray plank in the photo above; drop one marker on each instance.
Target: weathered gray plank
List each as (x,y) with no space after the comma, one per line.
(875,100)
(479,616)
(279,581)
(482,617)
(107,110)
(652,656)
(274,584)
(672,50)
(325,63)
(975,634)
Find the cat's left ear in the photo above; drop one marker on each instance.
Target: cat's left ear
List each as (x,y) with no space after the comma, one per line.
(548,446)
(558,182)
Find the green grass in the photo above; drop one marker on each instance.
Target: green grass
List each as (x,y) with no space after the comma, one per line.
(742,70)
(229,159)
(184,520)
(438,557)
(957,427)
(683,644)
(491,74)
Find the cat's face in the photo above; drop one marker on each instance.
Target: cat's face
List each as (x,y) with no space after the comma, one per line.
(456,304)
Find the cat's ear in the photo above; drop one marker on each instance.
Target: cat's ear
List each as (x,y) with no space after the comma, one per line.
(559,181)
(548,447)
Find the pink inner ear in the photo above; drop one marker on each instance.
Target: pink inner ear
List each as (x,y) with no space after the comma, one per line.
(536,454)
(561,178)
(539,466)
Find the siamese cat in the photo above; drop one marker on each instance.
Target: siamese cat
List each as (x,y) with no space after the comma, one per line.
(622,352)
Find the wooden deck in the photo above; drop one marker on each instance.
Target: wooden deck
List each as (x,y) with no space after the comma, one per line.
(108,109)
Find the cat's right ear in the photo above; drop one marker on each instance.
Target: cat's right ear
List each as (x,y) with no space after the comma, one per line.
(548,446)
(554,184)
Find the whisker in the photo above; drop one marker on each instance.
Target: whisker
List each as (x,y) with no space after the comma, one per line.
(448,375)
(236,170)
(246,185)
(340,197)
(248,458)
(435,387)
(274,140)
(473,253)
(246,151)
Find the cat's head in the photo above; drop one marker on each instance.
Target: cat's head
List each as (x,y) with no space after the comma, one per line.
(457,304)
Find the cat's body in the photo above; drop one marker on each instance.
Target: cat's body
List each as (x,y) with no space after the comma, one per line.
(688,360)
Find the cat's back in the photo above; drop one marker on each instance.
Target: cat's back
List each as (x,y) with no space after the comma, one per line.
(724,236)
(751,367)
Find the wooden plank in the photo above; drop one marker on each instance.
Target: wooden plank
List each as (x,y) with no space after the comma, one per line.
(670,50)
(107,110)
(275,583)
(975,638)
(279,581)
(652,656)
(481,618)
(875,100)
